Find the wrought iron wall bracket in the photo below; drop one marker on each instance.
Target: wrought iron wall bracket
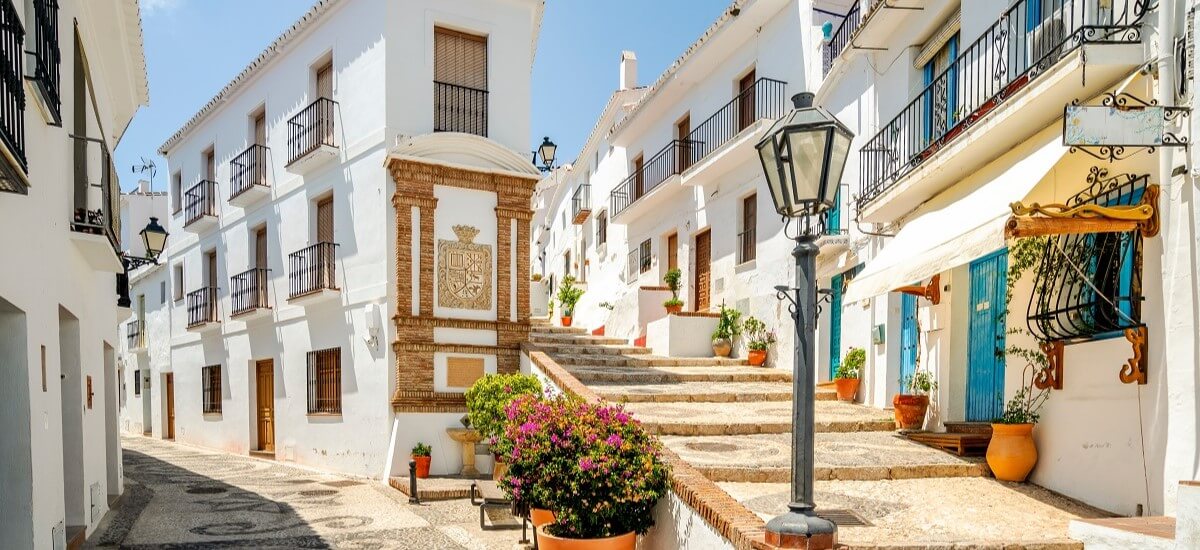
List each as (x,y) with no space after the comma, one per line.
(1134,370)
(931,291)
(1036,220)
(1124,101)
(1051,376)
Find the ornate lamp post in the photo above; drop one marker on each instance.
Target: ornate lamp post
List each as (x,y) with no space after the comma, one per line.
(803,156)
(154,238)
(546,152)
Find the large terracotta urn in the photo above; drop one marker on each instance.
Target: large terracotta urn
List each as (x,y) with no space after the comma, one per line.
(1012,454)
(546,541)
(910,411)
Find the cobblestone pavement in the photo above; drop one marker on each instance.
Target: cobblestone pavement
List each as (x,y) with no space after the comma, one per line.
(180,497)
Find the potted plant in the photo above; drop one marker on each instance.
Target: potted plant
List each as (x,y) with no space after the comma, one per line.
(758,339)
(568,296)
(912,404)
(422,455)
(593,465)
(1011,453)
(672,278)
(536,277)
(846,378)
(728,328)
(487,401)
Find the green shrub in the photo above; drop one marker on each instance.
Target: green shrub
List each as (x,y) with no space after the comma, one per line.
(489,396)
(852,364)
(730,324)
(758,337)
(422,449)
(569,295)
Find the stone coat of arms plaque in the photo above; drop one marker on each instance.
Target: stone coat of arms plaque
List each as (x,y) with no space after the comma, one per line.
(464,271)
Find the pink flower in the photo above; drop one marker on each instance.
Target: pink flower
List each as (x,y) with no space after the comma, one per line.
(586,464)
(614,440)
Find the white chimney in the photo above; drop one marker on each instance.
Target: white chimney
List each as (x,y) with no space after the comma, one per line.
(628,70)
(144,186)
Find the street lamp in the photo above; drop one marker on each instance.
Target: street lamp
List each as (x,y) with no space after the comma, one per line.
(154,238)
(803,156)
(546,151)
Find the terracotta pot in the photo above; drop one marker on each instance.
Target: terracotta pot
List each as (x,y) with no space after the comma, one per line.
(674,309)
(422,466)
(566,320)
(722,347)
(540,516)
(847,388)
(1012,454)
(499,468)
(546,541)
(910,411)
(757,357)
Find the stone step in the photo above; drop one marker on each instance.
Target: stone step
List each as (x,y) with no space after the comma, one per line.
(643,360)
(762,417)
(695,392)
(933,513)
(551,329)
(863,456)
(576,339)
(589,374)
(590,350)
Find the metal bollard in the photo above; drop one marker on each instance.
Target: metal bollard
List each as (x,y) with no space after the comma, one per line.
(413,497)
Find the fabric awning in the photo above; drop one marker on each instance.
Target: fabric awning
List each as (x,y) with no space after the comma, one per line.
(950,234)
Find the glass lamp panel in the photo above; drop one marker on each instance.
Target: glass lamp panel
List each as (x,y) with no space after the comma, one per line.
(770,164)
(839,151)
(807,148)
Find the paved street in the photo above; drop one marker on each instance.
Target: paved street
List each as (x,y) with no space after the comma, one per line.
(179,496)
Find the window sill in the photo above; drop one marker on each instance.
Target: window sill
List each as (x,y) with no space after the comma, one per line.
(324,415)
(749,265)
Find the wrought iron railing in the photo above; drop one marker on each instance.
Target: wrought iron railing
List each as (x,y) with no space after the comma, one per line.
(653,172)
(581,203)
(840,38)
(45,55)
(12,84)
(312,128)
(1028,39)
(460,109)
(747,246)
(199,201)
(248,290)
(325,381)
(202,307)
(134,334)
(312,269)
(248,169)
(97,192)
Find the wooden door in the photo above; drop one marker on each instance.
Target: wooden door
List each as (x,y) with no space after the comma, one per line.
(703,276)
(987,327)
(325,81)
(260,129)
(265,376)
(672,251)
(260,248)
(683,155)
(325,220)
(639,179)
(746,101)
(169,433)
(211,263)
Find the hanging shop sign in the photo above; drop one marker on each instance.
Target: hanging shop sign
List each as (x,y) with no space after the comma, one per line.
(1121,125)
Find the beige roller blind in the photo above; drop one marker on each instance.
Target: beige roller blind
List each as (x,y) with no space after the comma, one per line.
(260,129)
(325,221)
(325,81)
(460,58)
(260,248)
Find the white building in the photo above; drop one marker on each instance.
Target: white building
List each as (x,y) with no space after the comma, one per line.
(145,335)
(284,252)
(75,75)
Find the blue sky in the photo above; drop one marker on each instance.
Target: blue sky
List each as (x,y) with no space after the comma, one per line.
(194,47)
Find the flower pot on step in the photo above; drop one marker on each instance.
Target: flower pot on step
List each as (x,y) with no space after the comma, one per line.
(1012,454)
(910,411)
(566,320)
(757,357)
(847,388)
(722,347)
(422,466)
(547,541)
(674,309)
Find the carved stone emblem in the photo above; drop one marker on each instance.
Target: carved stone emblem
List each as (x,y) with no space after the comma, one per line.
(464,271)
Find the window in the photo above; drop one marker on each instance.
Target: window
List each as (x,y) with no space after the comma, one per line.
(176,192)
(41,18)
(211,382)
(178,281)
(162,292)
(12,99)
(325,381)
(137,382)
(941,93)
(601,228)
(748,248)
(644,255)
(460,82)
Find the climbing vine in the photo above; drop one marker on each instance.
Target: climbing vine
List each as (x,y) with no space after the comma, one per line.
(1023,256)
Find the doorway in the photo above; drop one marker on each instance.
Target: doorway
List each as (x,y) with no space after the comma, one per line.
(16,523)
(835,323)
(169,395)
(908,339)
(72,402)
(703,276)
(985,353)
(265,388)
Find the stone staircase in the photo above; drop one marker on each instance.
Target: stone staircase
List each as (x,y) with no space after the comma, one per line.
(732,422)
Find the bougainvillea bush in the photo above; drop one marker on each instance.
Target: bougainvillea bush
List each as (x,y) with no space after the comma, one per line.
(592,465)
(489,396)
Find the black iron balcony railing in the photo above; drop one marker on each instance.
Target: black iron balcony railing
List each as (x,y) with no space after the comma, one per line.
(312,128)
(248,290)
(664,164)
(312,270)
(765,99)
(747,246)
(247,170)
(200,201)
(460,109)
(134,334)
(202,307)
(45,55)
(840,38)
(12,88)
(96,191)
(581,203)
(1028,39)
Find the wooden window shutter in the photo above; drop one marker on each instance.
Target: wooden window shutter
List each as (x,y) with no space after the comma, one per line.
(260,248)
(212,269)
(260,129)
(325,81)
(460,58)
(210,166)
(325,220)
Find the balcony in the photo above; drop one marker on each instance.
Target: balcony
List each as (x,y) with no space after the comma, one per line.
(712,148)
(581,204)
(200,207)
(1009,84)
(202,310)
(248,176)
(834,225)
(249,293)
(135,336)
(460,109)
(867,29)
(12,102)
(840,39)
(45,58)
(312,137)
(96,220)
(312,274)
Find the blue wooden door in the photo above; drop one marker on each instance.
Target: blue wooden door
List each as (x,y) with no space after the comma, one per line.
(985,355)
(908,339)
(835,324)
